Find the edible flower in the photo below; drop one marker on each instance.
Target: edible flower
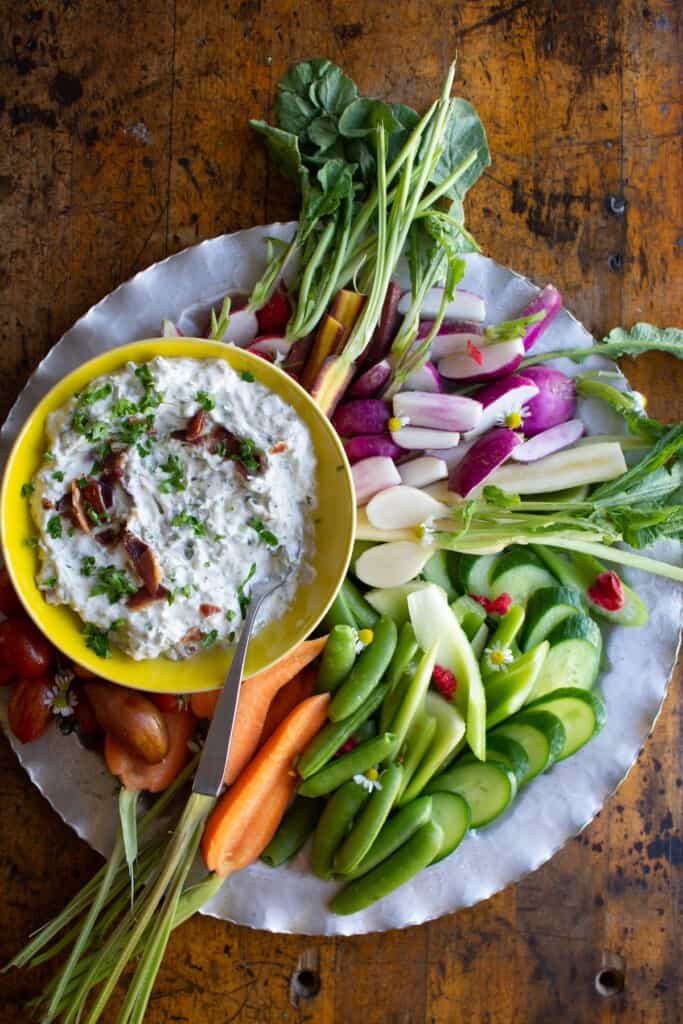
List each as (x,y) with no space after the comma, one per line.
(475,353)
(396,422)
(497,657)
(608,592)
(369,781)
(365,637)
(444,681)
(60,698)
(501,605)
(513,419)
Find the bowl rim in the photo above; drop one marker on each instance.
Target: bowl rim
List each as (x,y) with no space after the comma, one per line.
(130,352)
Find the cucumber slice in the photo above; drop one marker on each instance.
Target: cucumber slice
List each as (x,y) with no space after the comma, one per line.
(393,601)
(473,574)
(506,751)
(518,572)
(540,733)
(548,607)
(580,572)
(436,571)
(469,614)
(574,658)
(582,714)
(452,813)
(487,786)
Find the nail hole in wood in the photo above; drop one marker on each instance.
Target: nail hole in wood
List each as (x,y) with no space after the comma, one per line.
(304,983)
(610,979)
(615,261)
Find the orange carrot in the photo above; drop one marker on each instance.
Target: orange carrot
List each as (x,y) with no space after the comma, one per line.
(136,774)
(245,819)
(286,699)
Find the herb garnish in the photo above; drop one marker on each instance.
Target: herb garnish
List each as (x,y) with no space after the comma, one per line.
(32,542)
(54,527)
(50,582)
(91,396)
(176,475)
(248,376)
(27,490)
(246,454)
(50,457)
(124,407)
(266,535)
(185,519)
(244,600)
(205,401)
(88,564)
(58,475)
(97,640)
(151,398)
(210,638)
(113,582)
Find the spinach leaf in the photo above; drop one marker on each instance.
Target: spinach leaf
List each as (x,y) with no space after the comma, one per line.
(464,134)
(362,117)
(283,147)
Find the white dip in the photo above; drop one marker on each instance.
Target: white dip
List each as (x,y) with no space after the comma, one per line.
(169,490)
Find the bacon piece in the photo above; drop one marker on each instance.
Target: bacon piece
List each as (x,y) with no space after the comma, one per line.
(278,448)
(112,466)
(92,495)
(144,561)
(193,636)
(64,504)
(109,538)
(209,609)
(195,428)
(107,492)
(77,510)
(46,503)
(220,436)
(143,599)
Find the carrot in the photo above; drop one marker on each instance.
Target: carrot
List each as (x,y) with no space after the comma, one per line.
(246,818)
(286,699)
(136,774)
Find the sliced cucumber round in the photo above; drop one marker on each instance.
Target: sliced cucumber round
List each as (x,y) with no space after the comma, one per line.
(474,573)
(436,570)
(487,786)
(393,601)
(548,607)
(452,813)
(574,657)
(506,751)
(518,572)
(582,714)
(540,733)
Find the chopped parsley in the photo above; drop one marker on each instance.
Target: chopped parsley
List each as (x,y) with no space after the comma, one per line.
(231,636)
(185,591)
(113,582)
(95,517)
(247,454)
(143,449)
(176,475)
(54,527)
(97,640)
(151,398)
(88,564)
(32,542)
(210,639)
(50,457)
(58,475)
(93,395)
(27,490)
(244,600)
(124,407)
(221,449)
(230,615)
(266,535)
(248,376)
(50,582)
(218,537)
(185,519)
(132,429)
(205,401)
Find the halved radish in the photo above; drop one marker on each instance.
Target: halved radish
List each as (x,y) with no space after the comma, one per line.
(555,402)
(416,438)
(464,306)
(273,317)
(242,327)
(392,564)
(584,464)
(504,404)
(423,471)
(271,345)
(451,456)
(425,379)
(549,441)
(371,381)
(496,360)
(365,446)
(442,412)
(362,416)
(402,506)
(548,301)
(482,460)
(169,330)
(370,476)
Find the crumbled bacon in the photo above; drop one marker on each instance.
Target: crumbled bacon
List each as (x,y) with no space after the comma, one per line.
(77,508)
(193,636)
(144,561)
(608,592)
(501,605)
(221,439)
(278,448)
(64,504)
(112,466)
(143,599)
(92,495)
(444,681)
(46,503)
(107,492)
(195,427)
(109,538)
(209,609)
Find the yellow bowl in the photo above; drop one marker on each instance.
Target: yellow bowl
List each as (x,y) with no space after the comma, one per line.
(334,529)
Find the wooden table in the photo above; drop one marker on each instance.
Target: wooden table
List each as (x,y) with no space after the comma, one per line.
(125,138)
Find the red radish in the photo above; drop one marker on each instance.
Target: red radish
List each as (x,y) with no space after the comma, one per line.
(555,402)
(386,328)
(497,360)
(274,316)
(418,438)
(365,446)
(272,345)
(423,471)
(504,403)
(425,379)
(483,458)
(549,441)
(464,306)
(169,330)
(443,412)
(242,327)
(548,301)
(371,381)
(372,476)
(362,416)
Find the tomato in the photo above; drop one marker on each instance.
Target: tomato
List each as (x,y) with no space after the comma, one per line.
(23,648)
(169,702)
(9,602)
(136,774)
(29,708)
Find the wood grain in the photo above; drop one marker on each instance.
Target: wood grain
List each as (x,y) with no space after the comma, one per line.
(125,138)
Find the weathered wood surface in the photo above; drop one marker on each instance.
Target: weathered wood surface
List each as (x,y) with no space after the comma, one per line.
(124,129)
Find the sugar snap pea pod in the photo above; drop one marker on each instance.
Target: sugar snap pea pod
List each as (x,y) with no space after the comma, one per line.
(334,823)
(293,831)
(338,657)
(406,649)
(399,827)
(365,731)
(411,858)
(332,736)
(418,739)
(366,755)
(478,641)
(369,822)
(413,696)
(367,671)
(364,614)
(503,638)
(339,614)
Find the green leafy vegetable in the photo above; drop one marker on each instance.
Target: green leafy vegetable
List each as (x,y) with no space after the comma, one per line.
(621,342)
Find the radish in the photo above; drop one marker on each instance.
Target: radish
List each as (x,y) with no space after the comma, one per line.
(365,446)
(362,416)
(584,464)
(385,331)
(273,317)
(169,330)
(496,360)
(425,379)
(464,306)
(423,471)
(549,441)
(481,461)
(401,506)
(391,565)
(548,301)
(451,456)
(242,327)
(417,438)
(504,404)
(555,402)
(443,412)
(370,476)
(371,381)
(455,341)
(272,345)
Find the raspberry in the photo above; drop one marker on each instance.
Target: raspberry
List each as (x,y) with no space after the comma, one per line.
(501,605)
(444,681)
(608,592)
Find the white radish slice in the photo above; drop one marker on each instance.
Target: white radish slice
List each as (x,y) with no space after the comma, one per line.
(585,464)
(447,344)
(416,438)
(370,476)
(169,330)
(242,327)
(402,506)
(425,379)
(423,471)
(496,360)
(451,456)
(504,403)
(464,306)
(273,345)
(549,441)
(442,412)
(390,565)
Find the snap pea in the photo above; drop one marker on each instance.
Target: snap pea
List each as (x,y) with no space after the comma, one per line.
(293,831)
(394,697)
(396,831)
(406,649)
(504,635)
(469,614)
(338,657)
(364,614)
(365,731)
(369,822)
(339,614)
(413,697)
(478,641)
(411,858)
(419,737)
(366,755)
(334,823)
(333,735)
(367,671)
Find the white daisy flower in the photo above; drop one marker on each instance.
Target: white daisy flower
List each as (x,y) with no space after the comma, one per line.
(367,781)
(497,657)
(513,418)
(60,698)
